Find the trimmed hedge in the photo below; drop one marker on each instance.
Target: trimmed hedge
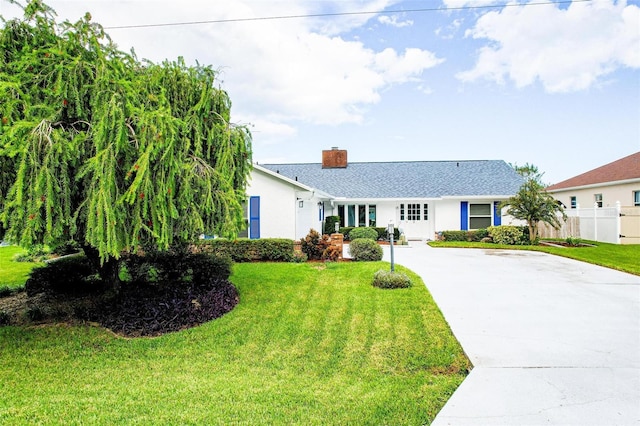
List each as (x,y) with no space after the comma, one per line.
(383,235)
(362,249)
(363,232)
(474,236)
(246,250)
(330,224)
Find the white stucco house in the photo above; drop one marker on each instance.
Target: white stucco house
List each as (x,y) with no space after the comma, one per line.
(419,197)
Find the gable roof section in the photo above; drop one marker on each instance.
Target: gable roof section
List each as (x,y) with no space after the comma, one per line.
(410,179)
(620,170)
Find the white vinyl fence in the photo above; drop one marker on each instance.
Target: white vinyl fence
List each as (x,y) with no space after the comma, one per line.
(605,224)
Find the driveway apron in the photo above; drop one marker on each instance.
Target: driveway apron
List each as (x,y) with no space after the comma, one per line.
(552,340)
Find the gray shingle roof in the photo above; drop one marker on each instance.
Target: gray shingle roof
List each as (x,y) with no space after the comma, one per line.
(410,179)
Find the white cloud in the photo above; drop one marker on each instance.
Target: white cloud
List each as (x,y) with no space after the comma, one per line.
(448,32)
(281,71)
(402,68)
(393,21)
(566,50)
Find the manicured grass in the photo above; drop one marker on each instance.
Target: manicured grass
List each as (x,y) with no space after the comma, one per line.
(307,344)
(616,256)
(13,274)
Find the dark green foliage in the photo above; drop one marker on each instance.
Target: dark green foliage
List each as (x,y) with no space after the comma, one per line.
(388,279)
(111,151)
(345,230)
(472,236)
(509,235)
(363,232)
(5,318)
(35,253)
(330,224)
(363,249)
(9,291)
(314,244)
(176,268)
(67,247)
(383,235)
(35,313)
(70,275)
(246,250)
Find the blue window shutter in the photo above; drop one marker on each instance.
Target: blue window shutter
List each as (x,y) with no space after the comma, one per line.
(254,218)
(464,215)
(497,217)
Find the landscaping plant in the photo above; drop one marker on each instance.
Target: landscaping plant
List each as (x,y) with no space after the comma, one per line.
(112,151)
(363,249)
(363,232)
(390,279)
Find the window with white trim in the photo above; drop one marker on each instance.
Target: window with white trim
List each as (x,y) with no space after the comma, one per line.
(598,199)
(479,216)
(574,202)
(636,198)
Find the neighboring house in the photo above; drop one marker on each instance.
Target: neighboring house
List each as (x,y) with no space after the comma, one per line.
(419,197)
(604,186)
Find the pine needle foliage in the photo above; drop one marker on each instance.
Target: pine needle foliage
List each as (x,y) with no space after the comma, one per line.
(112,151)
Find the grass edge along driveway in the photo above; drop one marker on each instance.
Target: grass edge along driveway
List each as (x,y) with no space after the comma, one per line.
(615,256)
(308,343)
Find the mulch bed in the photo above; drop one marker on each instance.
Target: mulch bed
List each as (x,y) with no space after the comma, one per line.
(136,311)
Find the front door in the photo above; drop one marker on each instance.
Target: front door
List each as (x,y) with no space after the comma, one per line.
(414,220)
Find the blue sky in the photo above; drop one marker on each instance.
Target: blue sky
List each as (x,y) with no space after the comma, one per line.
(554,85)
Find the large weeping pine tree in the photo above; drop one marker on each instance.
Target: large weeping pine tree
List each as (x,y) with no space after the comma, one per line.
(113,152)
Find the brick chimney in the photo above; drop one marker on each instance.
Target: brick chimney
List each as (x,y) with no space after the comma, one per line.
(334,158)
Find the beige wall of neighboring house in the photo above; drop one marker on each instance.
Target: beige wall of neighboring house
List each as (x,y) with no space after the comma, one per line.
(611,192)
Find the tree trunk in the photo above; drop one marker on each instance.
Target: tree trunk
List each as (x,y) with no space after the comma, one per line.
(533,232)
(108,270)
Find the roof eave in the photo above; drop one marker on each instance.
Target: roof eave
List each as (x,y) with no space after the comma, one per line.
(594,185)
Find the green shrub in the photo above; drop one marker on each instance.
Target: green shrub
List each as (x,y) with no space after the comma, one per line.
(363,232)
(362,249)
(345,230)
(573,241)
(9,291)
(246,250)
(388,279)
(475,235)
(383,235)
(506,234)
(36,253)
(330,224)
(173,268)
(68,275)
(66,248)
(299,257)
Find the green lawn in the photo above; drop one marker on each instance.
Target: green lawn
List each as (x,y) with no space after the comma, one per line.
(616,256)
(307,344)
(13,274)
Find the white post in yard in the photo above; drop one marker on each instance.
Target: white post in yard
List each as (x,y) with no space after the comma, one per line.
(595,221)
(390,232)
(618,218)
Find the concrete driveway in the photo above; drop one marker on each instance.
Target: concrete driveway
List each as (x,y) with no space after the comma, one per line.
(552,340)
